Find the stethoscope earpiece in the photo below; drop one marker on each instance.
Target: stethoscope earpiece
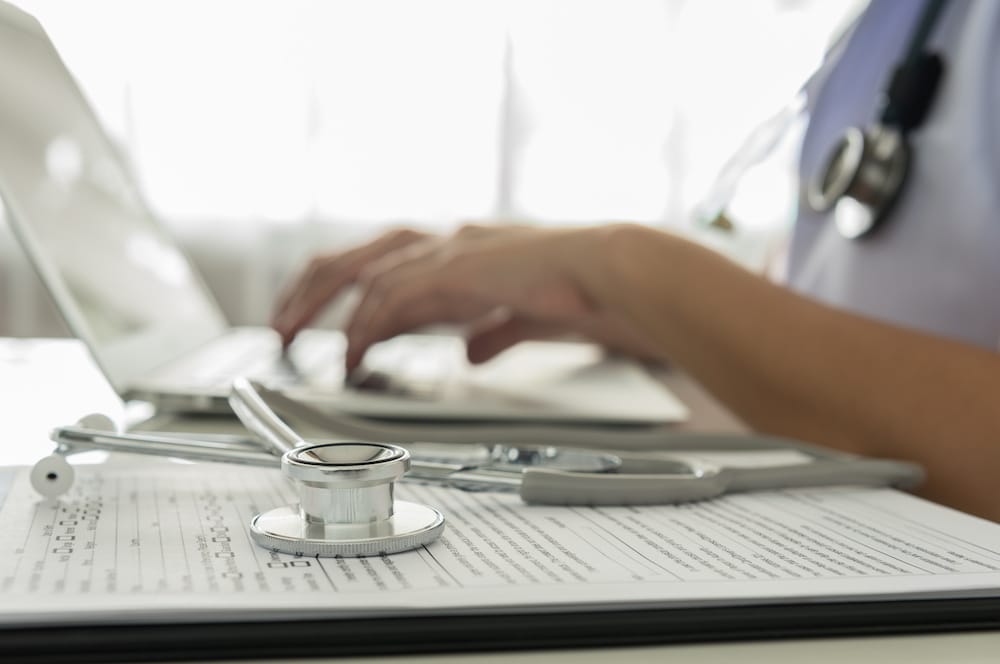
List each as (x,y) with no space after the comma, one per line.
(53,476)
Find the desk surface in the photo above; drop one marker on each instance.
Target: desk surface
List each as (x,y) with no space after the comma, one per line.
(45,383)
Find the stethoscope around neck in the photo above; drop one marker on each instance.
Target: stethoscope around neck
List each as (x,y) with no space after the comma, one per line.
(866,171)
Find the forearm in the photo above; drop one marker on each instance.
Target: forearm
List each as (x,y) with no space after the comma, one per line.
(791,366)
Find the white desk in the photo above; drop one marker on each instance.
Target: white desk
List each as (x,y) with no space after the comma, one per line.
(50,382)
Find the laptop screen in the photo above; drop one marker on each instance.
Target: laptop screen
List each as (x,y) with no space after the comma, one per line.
(121,282)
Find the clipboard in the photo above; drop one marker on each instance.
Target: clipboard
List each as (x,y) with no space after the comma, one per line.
(466,612)
(507,631)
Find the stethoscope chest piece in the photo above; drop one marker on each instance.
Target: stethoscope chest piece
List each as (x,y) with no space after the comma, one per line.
(346,504)
(862,179)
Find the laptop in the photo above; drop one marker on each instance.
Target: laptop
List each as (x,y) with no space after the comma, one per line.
(129,292)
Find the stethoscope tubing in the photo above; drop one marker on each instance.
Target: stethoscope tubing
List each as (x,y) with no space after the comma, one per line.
(542,486)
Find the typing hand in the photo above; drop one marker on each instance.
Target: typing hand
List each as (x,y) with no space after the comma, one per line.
(508,283)
(327,275)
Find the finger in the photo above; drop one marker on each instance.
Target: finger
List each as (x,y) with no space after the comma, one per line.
(378,278)
(292,289)
(382,276)
(401,301)
(326,276)
(487,343)
(393,319)
(311,290)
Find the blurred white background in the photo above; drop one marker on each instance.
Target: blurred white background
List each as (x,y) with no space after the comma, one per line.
(264,130)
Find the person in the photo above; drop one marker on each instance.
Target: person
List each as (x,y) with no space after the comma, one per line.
(884,346)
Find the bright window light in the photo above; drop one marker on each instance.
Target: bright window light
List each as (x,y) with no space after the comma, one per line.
(436,110)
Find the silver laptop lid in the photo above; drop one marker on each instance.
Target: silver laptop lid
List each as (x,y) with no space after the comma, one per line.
(122,284)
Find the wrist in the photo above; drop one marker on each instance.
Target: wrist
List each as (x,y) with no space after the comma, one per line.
(620,259)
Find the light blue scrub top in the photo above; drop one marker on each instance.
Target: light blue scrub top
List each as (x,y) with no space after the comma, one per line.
(935,263)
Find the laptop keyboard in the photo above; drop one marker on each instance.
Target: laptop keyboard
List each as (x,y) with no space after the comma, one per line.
(246,352)
(414,366)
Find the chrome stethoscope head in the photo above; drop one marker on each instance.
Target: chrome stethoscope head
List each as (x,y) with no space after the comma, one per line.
(346,504)
(862,179)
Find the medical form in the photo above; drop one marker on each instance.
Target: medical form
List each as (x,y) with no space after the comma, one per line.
(153,539)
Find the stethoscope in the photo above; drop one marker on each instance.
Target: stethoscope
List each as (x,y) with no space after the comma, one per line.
(866,171)
(346,504)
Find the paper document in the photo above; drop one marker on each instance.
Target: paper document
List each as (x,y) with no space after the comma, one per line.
(147,541)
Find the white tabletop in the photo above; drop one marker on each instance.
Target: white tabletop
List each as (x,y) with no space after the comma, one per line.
(44,383)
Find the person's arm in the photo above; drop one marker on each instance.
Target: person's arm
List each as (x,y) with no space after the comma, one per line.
(791,366)
(786,364)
